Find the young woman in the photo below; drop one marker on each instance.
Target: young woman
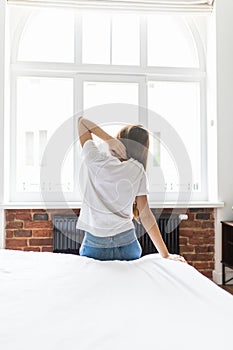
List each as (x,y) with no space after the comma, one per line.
(116,191)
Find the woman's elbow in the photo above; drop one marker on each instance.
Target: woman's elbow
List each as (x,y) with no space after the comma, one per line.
(80,120)
(145,214)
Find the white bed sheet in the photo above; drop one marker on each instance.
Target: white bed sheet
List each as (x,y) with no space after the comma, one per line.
(66,302)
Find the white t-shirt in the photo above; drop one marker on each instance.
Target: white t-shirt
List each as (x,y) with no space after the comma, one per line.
(109,188)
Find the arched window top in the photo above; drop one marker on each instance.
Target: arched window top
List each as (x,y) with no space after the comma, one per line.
(47,36)
(55,35)
(171,42)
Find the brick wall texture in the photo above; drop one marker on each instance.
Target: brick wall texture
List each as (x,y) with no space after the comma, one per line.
(32,230)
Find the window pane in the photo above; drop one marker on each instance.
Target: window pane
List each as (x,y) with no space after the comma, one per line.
(43,104)
(48,36)
(102,95)
(96,38)
(170,42)
(183,115)
(125,39)
(99,93)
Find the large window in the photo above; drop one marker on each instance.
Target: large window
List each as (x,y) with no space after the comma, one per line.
(116,69)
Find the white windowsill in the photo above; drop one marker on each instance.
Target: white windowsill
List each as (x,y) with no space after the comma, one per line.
(75,205)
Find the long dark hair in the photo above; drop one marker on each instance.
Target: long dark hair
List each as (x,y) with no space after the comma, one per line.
(136,140)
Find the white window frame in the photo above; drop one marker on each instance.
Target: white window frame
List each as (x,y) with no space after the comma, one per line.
(79,72)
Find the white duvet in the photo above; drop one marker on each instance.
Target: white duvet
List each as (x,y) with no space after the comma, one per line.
(66,302)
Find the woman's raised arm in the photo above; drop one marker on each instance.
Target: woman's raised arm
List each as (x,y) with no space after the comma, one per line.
(86,127)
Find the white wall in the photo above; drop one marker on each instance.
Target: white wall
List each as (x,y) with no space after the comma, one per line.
(2,58)
(2,52)
(224,28)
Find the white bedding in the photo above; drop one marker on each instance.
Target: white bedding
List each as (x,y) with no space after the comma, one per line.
(66,302)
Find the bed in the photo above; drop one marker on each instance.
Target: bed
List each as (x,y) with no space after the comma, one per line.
(59,301)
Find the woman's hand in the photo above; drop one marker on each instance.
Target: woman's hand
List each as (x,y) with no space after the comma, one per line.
(117,148)
(176,257)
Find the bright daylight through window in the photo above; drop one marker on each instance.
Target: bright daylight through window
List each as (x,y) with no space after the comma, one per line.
(155,63)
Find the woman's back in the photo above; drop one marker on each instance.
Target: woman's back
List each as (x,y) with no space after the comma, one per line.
(110,190)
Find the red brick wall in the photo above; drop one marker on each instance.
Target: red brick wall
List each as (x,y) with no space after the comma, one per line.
(197,236)
(32,230)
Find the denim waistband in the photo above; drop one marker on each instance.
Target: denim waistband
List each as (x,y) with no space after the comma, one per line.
(121,239)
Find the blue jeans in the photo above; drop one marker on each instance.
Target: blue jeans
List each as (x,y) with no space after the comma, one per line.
(123,246)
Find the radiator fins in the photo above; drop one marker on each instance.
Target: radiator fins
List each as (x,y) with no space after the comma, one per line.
(67,238)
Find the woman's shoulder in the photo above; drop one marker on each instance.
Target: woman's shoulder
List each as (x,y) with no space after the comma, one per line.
(92,154)
(135,165)
(135,162)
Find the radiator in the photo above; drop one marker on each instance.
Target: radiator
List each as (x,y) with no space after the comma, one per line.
(169,228)
(67,238)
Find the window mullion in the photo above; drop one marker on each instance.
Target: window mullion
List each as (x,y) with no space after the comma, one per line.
(78,110)
(143,42)
(13,136)
(64,69)
(204,139)
(111,19)
(143,102)
(78,39)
